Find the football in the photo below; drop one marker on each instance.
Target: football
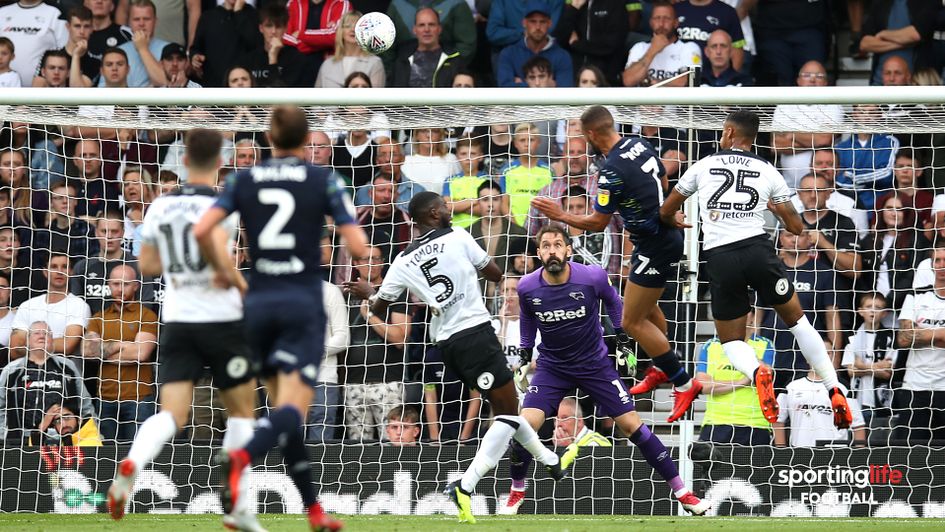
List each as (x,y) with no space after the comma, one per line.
(375,32)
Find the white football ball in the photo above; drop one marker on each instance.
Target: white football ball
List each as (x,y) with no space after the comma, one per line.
(375,32)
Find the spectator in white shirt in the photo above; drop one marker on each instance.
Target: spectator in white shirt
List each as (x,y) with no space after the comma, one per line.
(805,407)
(34,27)
(66,314)
(922,334)
(8,77)
(869,357)
(323,414)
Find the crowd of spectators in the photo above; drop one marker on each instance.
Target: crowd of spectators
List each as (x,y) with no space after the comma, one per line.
(79,322)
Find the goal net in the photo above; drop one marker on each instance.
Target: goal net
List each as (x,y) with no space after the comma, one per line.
(390,426)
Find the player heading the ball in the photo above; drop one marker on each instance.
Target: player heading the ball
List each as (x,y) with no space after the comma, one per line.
(736,187)
(631,182)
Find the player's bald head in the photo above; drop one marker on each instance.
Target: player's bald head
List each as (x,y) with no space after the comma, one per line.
(744,125)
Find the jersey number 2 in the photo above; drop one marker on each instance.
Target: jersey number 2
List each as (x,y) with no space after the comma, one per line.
(434,280)
(271,236)
(740,186)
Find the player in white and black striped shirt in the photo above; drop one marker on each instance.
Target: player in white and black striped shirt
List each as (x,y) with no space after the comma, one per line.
(737,187)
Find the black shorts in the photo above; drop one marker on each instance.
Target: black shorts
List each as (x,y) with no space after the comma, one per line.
(287,333)
(476,356)
(655,259)
(188,348)
(735,267)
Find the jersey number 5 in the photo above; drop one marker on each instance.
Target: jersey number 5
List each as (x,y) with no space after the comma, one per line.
(740,186)
(434,280)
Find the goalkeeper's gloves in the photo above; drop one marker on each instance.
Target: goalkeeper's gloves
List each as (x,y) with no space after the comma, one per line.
(521,373)
(625,355)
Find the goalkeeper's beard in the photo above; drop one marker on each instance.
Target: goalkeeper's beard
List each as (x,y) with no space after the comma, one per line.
(554,265)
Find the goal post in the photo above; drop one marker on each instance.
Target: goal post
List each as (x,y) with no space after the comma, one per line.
(140,130)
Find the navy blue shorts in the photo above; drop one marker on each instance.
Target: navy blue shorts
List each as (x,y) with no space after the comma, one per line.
(286,333)
(656,258)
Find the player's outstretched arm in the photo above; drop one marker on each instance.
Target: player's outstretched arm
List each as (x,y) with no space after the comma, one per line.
(596,221)
(788,216)
(670,208)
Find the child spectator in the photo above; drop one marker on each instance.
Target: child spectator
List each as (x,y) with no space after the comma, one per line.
(870,357)
(539,74)
(403,426)
(805,406)
(461,191)
(8,78)
(525,176)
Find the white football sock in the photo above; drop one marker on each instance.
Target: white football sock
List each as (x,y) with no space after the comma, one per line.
(814,350)
(742,357)
(529,439)
(491,450)
(156,431)
(239,430)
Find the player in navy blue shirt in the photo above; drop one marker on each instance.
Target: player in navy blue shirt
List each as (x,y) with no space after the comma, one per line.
(283,203)
(631,182)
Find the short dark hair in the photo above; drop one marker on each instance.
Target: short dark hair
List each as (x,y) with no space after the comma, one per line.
(356,75)
(5,42)
(274,12)
(80,12)
(53,254)
(62,182)
(597,118)
(288,127)
(420,203)
(463,71)
(404,413)
(469,140)
(202,148)
(539,63)
(61,53)
(911,154)
(488,184)
(553,228)
(166,176)
(575,191)
(746,123)
(115,50)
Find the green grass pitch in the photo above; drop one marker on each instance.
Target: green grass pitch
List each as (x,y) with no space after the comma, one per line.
(523,523)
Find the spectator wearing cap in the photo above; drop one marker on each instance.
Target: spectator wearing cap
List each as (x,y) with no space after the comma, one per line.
(720,72)
(899,28)
(224,34)
(175,64)
(144,49)
(537,24)
(698,19)
(456,19)
(594,33)
(665,56)
(505,20)
(425,63)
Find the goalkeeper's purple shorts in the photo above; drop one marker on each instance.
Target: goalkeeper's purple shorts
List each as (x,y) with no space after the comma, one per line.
(549,385)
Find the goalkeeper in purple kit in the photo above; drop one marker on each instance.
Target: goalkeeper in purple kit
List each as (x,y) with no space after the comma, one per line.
(562,300)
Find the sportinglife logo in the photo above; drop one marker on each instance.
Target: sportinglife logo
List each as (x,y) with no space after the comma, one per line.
(838,475)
